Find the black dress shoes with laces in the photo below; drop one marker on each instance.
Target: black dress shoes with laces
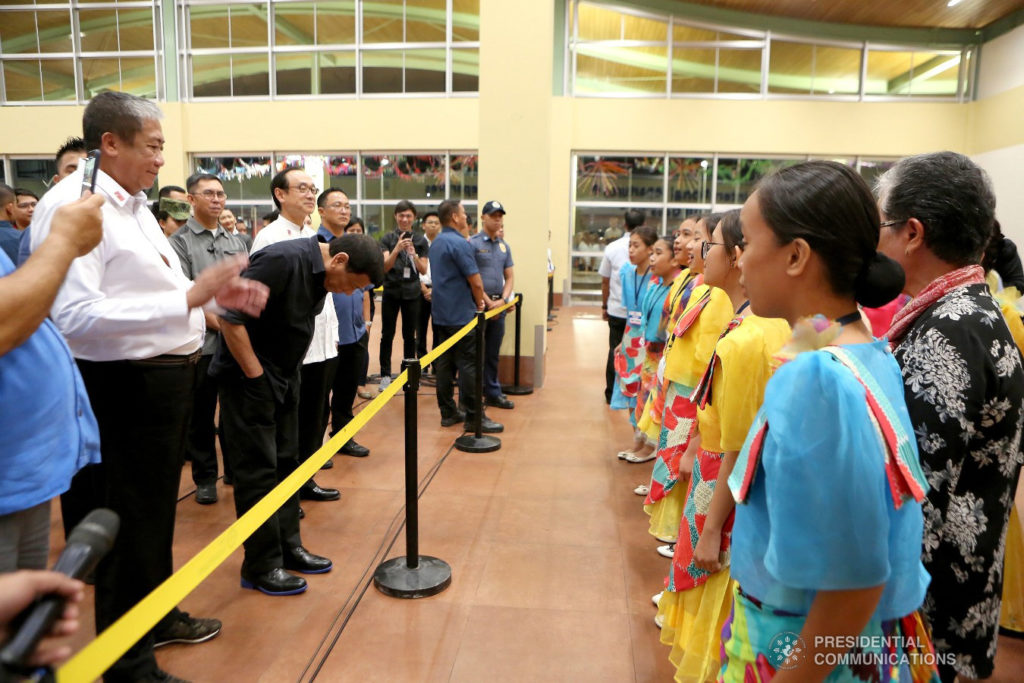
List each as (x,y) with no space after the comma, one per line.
(298,559)
(275,582)
(310,491)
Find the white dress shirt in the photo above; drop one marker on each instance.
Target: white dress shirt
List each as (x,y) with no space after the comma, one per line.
(615,256)
(324,345)
(125,299)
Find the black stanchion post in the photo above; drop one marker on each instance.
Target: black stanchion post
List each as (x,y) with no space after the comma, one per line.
(517,389)
(415,575)
(478,442)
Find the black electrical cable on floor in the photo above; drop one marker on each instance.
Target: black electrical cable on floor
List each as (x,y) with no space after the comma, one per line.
(345,613)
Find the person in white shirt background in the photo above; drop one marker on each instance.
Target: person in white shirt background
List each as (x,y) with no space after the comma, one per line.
(135,325)
(295,196)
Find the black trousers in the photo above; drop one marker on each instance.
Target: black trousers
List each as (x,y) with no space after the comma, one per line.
(143,413)
(391,305)
(616,328)
(494,333)
(201,446)
(421,328)
(314,388)
(264,433)
(351,360)
(463,357)
(364,341)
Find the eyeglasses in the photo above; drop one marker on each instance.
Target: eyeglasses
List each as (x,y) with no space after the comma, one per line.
(304,188)
(211,194)
(338,206)
(705,248)
(889,224)
(26,205)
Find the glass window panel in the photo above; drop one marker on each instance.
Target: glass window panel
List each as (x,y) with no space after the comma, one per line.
(383,22)
(693,70)
(791,68)
(676,215)
(607,223)
(602,178)
(245,179)
(644,28)
(395,71)
(887,72)
(342,173)
(227,25)
(689,180)
(211,76)
(50,80)
(935,74)
(738,177)
(111,30)
(465,20)
(739,71)
(32,174)
(681,33)
(335,23)
(399,176)
(463,177)
(425,21)
(378,219)
(251,212)
(295,71)
(295,23)
(598,23)
(584,278)
(135,75)
(871,169)
(466,69)
(604,69)
(836,70)
(20,35)
(337,73)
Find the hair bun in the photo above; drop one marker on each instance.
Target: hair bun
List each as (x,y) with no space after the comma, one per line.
(880,281)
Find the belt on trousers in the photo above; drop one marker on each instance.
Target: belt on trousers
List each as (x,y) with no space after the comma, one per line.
(495,297)
(169,359)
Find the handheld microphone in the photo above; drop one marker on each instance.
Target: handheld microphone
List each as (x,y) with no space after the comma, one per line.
(87,544)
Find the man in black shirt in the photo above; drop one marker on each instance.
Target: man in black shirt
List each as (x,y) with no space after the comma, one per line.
(257,365)
(405,259)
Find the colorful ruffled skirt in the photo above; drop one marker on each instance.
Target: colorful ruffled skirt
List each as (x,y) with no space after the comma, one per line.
(691,624)
(666,513)
(648,377)
(758,640)
(1012,615)
(678,424)
(629,358)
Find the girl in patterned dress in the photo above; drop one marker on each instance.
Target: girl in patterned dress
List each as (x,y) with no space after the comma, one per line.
(654,321)
(828,486)
(696,601)
(629,357)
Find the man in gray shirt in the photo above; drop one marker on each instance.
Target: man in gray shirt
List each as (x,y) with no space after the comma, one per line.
(200,243)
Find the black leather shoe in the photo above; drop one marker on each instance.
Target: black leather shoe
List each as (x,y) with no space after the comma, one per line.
(500,402)
(275,582)
(487,426)
(310,491)
(453,419)
(298,559)
(206,494)
(354,449)
(327,465)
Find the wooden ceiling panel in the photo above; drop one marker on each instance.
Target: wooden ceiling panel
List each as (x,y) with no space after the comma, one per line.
(967,14)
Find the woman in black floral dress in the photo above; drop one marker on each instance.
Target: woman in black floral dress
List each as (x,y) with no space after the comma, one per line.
(965,392)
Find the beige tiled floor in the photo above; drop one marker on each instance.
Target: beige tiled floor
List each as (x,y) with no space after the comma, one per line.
(552,565)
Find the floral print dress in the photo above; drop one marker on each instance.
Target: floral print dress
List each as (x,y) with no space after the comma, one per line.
(965,392)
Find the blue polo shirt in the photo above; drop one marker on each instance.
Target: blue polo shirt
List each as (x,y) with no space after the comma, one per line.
(47,428)
(9,238)
(492,258)
(451,262)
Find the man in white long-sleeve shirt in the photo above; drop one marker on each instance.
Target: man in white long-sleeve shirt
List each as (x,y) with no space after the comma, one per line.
(135,325)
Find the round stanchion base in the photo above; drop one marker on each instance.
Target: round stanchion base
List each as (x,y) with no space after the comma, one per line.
(517,390)
(396,579)
(471,443)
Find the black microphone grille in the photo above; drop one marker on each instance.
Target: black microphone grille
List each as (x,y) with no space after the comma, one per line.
(98,530)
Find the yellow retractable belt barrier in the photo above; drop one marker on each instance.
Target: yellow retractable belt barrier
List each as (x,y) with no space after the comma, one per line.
(96,657)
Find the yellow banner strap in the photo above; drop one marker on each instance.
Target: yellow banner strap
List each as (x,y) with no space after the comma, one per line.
(96,657)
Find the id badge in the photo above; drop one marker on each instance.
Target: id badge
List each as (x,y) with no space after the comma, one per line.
(406,273)
(635,318)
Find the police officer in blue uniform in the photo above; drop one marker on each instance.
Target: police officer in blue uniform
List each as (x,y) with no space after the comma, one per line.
(494,259)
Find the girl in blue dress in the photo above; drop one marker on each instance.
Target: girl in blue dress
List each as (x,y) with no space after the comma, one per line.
(827,536)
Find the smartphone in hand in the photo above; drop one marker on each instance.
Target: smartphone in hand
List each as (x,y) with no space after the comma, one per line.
(91,168)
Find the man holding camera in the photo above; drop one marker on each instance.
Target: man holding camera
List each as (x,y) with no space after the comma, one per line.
(405,259)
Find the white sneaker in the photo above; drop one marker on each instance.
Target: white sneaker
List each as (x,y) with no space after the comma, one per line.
(667,550)
(642,490)
(658,620)
(656,598)
(663,539)
(385,382)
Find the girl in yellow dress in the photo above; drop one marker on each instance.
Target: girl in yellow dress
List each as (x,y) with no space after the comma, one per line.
(698,595)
